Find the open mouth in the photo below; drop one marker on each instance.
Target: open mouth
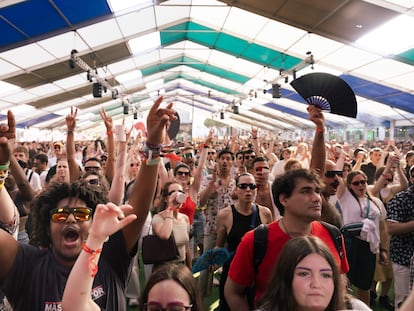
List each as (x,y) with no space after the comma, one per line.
(71,235)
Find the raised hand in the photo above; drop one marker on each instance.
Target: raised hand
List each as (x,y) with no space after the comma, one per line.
(108,219)
(316,116)
(107,120)
(158,120)
(7,134)
(71,119)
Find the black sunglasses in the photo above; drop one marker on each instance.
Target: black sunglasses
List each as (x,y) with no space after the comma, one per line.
(172,191)
(245,186)
(359,182)
(211,152)
(181,173)
(247,157)
(92,168)
(331,174)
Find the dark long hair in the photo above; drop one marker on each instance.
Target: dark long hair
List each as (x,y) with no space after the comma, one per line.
(164,195)
(48,200)
(279,294)
(181,275)
(349,178)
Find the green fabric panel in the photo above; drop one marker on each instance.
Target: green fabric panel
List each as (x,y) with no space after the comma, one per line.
(228,44)
(406,57)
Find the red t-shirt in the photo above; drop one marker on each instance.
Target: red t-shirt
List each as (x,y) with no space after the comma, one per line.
(242,267)
(188,208)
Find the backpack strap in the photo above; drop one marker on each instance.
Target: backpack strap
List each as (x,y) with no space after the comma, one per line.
(254,216)
(29,174)
(336,236)
(260,245)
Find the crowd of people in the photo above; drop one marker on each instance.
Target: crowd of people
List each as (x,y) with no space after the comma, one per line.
(308,224)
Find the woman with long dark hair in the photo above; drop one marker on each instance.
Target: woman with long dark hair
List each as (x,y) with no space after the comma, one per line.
(361,214)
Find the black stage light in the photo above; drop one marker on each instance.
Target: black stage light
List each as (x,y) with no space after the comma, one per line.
(276,92)
(126,108)
(97,89)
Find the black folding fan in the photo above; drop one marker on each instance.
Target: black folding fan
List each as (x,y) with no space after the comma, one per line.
(328,92)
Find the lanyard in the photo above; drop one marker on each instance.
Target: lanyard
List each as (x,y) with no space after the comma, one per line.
(367,209)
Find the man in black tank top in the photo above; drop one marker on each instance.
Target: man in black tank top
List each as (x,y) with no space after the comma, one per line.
(234,221)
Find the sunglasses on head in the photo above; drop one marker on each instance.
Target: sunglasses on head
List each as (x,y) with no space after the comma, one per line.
(331,174)
(359,182)
(61,214)
(181,173)
(245,186)
(187,155)
(172,191)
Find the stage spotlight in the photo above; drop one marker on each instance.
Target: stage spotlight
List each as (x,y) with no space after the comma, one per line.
(97,89)
(276,92)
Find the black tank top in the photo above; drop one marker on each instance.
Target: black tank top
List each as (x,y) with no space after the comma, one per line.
(241,224)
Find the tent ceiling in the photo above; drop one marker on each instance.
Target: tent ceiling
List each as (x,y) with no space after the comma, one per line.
(209,55)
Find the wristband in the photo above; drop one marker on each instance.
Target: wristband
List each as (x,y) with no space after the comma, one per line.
(152,162)
(70,132)
(93,266)
(151,152)
(319,130)
(5,167)
(109,133)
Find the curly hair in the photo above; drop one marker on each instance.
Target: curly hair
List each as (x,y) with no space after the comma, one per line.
(48,200)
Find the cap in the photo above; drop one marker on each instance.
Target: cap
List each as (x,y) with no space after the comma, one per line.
(58,143)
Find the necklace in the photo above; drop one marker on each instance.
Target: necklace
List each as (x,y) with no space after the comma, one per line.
(291,234)
(283,227)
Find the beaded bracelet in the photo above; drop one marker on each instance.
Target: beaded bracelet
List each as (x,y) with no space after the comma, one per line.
(93,266)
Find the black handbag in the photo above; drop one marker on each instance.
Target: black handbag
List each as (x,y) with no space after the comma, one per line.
(156,250)
(352,229)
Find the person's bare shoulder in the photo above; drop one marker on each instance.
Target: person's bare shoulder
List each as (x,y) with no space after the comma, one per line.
(265,214)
